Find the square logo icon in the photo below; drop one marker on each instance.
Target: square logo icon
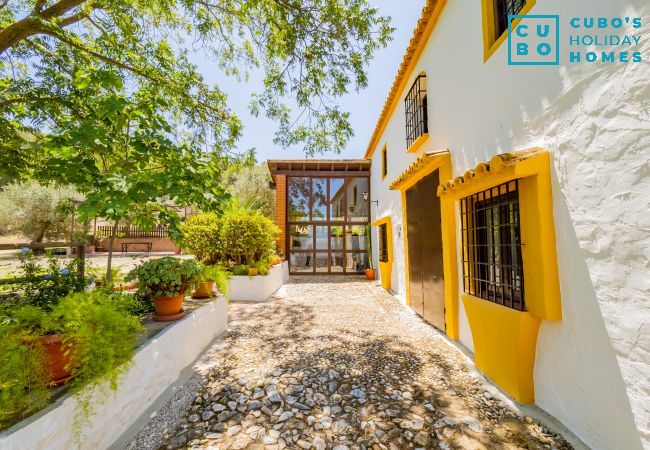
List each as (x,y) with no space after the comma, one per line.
(534,40)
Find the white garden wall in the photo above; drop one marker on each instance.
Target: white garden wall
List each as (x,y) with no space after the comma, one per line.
(155,366)
(258,288)
(592,369)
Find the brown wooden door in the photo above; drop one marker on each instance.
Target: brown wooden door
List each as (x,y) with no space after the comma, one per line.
(425,251)
(414,249)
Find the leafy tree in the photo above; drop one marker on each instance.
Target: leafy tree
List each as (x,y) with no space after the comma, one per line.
(249,186)
(35,211)
(95,95)
(309,51)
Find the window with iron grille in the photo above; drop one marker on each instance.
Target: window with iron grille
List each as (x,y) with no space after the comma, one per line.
(503,9)
(384,162)
(416,111)
(492,263)
(383,243)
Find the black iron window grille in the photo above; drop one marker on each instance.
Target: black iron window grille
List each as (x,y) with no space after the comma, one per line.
(383,243)
(503,9)
(492,263)
(416,111)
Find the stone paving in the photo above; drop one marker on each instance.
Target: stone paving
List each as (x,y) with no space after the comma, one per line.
(338,363)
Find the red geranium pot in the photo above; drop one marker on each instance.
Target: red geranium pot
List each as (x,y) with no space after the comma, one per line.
(169,308)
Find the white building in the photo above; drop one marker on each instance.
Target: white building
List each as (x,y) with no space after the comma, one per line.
(513,205)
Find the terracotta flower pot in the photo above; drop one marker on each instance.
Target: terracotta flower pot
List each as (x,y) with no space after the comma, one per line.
(205,289)
(370,274)
(168,308)
(58,363)
(252,272)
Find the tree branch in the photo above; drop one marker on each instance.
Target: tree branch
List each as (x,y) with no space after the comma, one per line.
(135,71)
(60,8)
(66,21)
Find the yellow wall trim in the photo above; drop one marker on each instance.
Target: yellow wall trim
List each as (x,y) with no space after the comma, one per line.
(419,142)
(504,345)
(424,165)
(426,25)
(504,338)
(384,162)
(491,42)
(386,268)
(533,168)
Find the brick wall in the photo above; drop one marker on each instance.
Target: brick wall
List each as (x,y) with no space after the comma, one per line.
(281,209)
(159,245)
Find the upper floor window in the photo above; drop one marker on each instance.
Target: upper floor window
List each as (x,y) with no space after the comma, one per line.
(492,262)
(384,162)
(495,21)
(416,111)
(503,9)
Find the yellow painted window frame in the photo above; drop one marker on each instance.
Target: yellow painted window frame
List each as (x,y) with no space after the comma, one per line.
(505,339)
(442,163)
(386,267)
(491,42)
(384,162)
(419,142)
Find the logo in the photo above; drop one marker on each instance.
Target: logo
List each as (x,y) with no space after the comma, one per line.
(534,40)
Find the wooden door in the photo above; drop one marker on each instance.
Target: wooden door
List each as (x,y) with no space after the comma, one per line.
(414,249)
(425,251)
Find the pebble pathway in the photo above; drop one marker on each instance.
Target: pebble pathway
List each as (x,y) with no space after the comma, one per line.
(338,363)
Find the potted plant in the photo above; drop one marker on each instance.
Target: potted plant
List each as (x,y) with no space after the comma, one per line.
(44,337)
(166,280)
(85,338)
(207,280)
(370,271)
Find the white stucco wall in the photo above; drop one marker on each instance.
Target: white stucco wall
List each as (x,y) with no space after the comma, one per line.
(592,368)
(258,288)
(154,367)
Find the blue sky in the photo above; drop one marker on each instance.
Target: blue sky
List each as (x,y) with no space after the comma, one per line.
(364,106)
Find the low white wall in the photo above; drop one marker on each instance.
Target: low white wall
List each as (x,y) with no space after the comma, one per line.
(155,366)
(258,288)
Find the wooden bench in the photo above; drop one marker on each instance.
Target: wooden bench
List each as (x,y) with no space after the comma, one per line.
(126,245)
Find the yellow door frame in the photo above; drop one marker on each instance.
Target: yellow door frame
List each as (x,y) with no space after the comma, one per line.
(386,267)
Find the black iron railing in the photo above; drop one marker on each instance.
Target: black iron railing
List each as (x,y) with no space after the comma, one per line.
(492,263)
(416,111)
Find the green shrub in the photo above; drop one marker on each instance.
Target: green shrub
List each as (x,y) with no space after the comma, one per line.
(23,384)
(262,267)
(247,238)
(200,235)
(240,271)
(96,325)
(165,276)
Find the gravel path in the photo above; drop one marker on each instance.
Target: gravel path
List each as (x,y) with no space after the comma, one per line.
(337,363)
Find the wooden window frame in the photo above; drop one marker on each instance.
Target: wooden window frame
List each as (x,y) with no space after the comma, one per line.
(346,223)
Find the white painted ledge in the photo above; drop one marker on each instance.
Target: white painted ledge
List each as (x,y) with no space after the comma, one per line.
(258,288)
(155,366)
